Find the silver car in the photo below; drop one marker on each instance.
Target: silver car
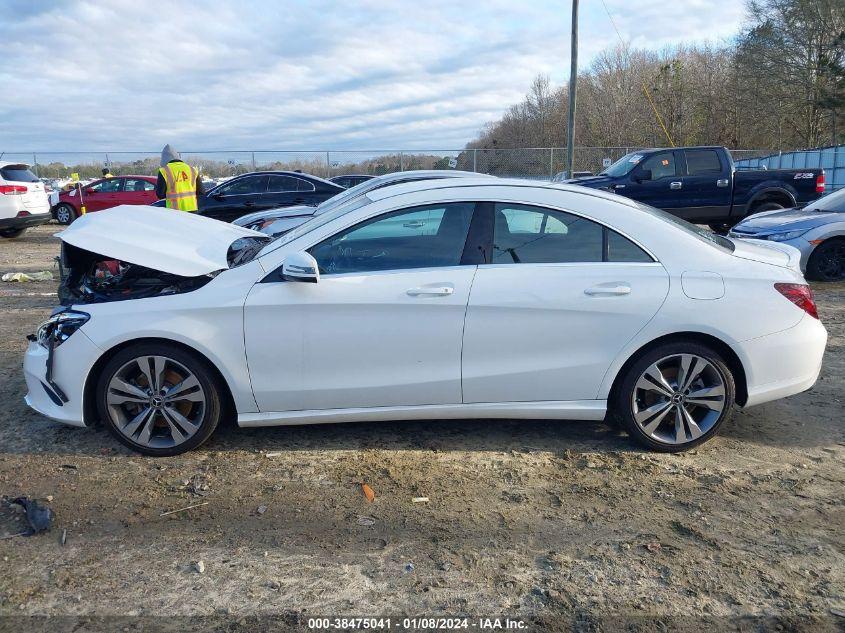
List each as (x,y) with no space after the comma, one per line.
(817,230)
(279,221)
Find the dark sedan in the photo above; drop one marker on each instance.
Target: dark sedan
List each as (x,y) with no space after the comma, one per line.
(264,190)
(350,180)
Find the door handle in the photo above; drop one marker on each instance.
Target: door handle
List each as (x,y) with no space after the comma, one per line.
(676,185)
(249,203)
(722,182)
(618,186)
(614,289)
(299,201)
(431,291)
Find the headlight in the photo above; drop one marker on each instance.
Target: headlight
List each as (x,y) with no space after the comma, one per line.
(789,235)
(60,326)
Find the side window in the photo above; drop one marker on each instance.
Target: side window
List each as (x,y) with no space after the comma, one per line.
(621,249)
(420,237)
(534,235)
(138,184)
(244,186)
(660,165)
(286,184)
(703,161)
(112,185)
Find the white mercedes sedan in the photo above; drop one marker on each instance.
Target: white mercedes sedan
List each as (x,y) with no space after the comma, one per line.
(458,298)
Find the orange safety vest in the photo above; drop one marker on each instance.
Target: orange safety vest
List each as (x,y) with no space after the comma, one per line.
(181,180)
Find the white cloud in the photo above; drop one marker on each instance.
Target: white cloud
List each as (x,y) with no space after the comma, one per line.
(80,74)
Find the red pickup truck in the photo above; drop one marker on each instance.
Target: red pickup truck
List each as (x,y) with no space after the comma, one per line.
(104,194)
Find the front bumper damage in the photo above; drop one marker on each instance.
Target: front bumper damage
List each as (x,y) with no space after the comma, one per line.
(55,380)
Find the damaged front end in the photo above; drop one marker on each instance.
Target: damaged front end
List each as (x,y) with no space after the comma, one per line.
(88,277)
(136,252)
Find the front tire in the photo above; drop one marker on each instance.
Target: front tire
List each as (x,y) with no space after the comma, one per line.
(11,234)
(675,396)
(827,261)
(158,399)
(64,213)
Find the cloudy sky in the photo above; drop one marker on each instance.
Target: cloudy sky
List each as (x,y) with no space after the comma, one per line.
(288,74)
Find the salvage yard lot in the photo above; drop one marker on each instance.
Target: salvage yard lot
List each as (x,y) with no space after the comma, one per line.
(553,522)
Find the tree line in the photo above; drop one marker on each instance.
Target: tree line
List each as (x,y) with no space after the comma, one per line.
(779,85)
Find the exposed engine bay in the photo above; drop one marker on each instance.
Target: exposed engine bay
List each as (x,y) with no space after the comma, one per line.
(88,277)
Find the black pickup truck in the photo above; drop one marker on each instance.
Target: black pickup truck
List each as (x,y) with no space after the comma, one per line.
(702,185)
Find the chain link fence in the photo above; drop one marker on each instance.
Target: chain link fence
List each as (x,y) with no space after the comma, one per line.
(538,163)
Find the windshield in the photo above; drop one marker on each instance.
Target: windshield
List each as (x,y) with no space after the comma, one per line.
(623,165)
(834,201)
(705,235)
(317,221)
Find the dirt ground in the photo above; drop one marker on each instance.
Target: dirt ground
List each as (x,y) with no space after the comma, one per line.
(560,525)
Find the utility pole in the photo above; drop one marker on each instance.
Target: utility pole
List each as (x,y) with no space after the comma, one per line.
(573,78)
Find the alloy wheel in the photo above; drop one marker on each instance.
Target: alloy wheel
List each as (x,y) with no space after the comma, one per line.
(156,402)
(63,215)
(678,399)
(831,261)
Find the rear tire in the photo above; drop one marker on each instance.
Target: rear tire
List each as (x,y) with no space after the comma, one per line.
(827,261)
(720,228)
(64,213)
(11,234)
(159,399)
(675,396)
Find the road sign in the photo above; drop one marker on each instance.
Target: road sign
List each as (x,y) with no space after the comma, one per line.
(606,162)
(453,162)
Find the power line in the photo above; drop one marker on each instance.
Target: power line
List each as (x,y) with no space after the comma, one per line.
(645,87)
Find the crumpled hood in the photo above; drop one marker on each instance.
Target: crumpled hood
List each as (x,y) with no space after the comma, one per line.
(786,220)
(173,242)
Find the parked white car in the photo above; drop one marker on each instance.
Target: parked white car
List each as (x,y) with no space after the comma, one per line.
(23,200)
(457,298)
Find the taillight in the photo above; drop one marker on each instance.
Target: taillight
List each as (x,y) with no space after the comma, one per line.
(800,295)
(13,190)
(23,214)
(820,182)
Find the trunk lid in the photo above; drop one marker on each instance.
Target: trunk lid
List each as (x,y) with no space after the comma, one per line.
(774,253)
(173,242)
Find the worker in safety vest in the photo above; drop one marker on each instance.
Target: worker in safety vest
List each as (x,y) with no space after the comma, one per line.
(178,183)
(107,173)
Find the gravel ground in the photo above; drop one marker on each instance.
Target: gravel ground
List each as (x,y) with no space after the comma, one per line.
(558,524)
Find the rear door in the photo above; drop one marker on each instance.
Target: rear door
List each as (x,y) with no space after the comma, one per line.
(560,296)
(707,185)
(286,191)
(138,191)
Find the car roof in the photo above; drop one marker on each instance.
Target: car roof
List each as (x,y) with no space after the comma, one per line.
(6,163)
(281,172)
(453,183)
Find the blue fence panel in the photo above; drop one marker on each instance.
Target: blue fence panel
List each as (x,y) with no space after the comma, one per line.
(831,159)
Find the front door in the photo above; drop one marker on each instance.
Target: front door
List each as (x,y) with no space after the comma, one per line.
(382,327)
(657,182)
(560,298)
(235,198)
(103,194)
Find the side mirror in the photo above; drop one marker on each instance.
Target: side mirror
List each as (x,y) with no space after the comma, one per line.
(643,175)
(300,266)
